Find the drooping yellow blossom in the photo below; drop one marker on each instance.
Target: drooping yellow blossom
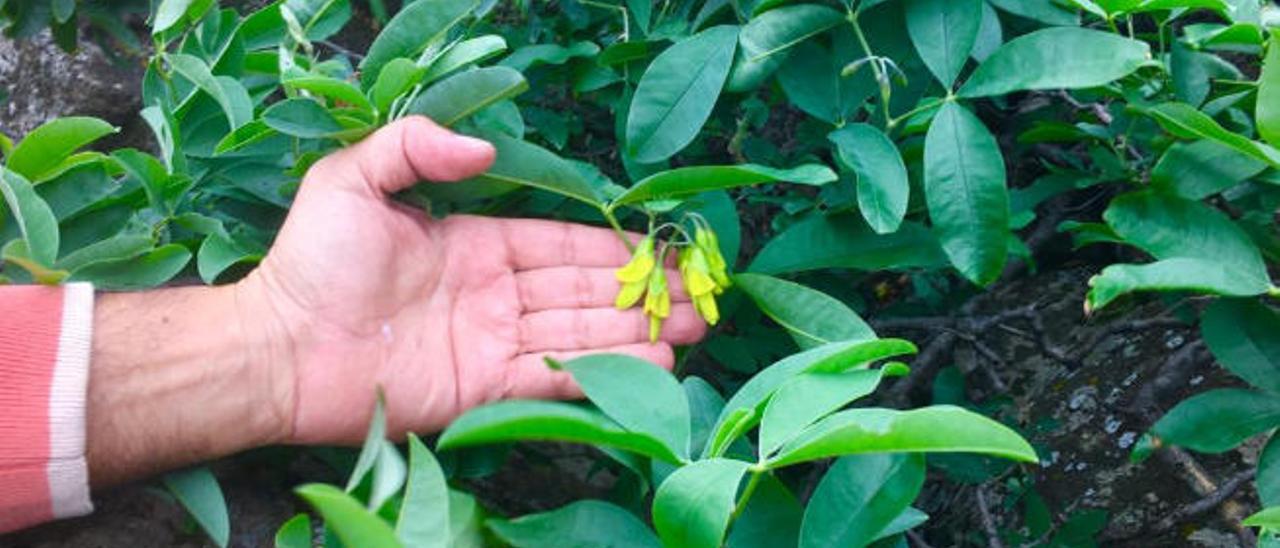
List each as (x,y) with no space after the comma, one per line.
(696,273)
(710,245)
(657,303)
(635,274)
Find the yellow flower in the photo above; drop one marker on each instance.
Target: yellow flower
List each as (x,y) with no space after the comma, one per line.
(710,245)
(657,304)
(635,274)
(696,273)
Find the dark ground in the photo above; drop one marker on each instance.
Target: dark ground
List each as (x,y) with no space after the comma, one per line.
(1095,384)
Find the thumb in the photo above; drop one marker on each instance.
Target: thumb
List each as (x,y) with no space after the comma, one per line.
(405,152)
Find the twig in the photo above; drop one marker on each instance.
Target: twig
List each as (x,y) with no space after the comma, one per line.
(339,49)
(1099,110)
(988,525)
(1173,374)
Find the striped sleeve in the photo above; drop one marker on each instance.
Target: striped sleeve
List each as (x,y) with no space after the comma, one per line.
(44,369)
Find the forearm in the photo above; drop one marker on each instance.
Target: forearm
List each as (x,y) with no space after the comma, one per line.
(179,376)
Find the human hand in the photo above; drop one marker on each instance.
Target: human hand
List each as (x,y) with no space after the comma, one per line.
(360,292)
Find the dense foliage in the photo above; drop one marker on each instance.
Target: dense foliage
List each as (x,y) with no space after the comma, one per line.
(851,140)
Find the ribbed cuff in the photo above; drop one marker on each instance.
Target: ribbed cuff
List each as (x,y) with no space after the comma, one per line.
(68,470)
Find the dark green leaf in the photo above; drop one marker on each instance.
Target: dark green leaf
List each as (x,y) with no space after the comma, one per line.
(768,39)
(1201,169)
(36,223)
(845,241)
(1178,274)
(661,410)
(883,188)
(461,95)
(1185,121)
(1244,335)
(1045,11)
(528,56)
(859,497)
(692,507)
(465,53)
(199,493)
(964,181)
(585,524)
(770,520)
(1061,57)
(418,26)
(1218,420)
(524,164)
(811,317)
(229,93)
(944,33)
(810,396)
(677,93)
(301,118)
(686,181)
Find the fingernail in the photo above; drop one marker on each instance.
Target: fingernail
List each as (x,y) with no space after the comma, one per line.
(474,145)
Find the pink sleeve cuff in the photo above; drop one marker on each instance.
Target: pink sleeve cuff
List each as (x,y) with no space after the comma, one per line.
(45,337)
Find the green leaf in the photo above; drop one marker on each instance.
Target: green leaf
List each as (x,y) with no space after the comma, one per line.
(835,357)
(1178,274)
(371,449)
(345,516)
(418,26)
(1169,227)
(172,12)
(466,518)
(119,247)
(845,241)
(466,52)
(935,429)
(1044,11)
(142,272)
(883,187)
(771,518)
(16,252)
(810,396)
(1185,121)
(524,164)
(330,88)
(586,524)
(221,251)
(249,134)
(691,508)
(147,171)
(811,79)
(661,410)
(677,93)
(1200,169)
(1060,57)
(36,223)
(944,33)
(389,473)
(227,92)
(424,513)
(516,420)
(1267,517)
(199,493)
(768,39)
(1244,336)
(43,149)
(466,93)
(811,317)
(1218,420)
(859,497)
(687,181)
(525,57)
(964,180)
(1267,482)
(321,19)
(1268,104)
(295,533)
(302,118)
(398,76)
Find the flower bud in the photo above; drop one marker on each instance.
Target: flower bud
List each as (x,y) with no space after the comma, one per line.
(696,274)
(635,274)
(706,240)
(657,304)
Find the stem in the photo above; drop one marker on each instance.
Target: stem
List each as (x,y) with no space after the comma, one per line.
(746,494)
(866,49)
(617,228)
(919,108)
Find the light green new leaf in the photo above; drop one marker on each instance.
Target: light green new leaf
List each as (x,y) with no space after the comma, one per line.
(859,497)
(834,357)
(199,493)
(687,181)
(36,222)
(935,429)
(516,420)
(768,39)
(524,164)
(1267,517)
(398,76)
(883,187)
(810,396)
(302,118)
(1060,57)
(1218,420)
(465,53)
(660,410)
(295,533)
(461,95)
(345,516)
(944,33)
(40,153)
(371,449)
(424,513)
(964,180)
(692,507)
(1268,104)
(1179,274)
(1244,335)
(1185,121)
(586,523)
(229,93)
(677,93)
(389,473)
(845,241)
(812,317)
(415,28)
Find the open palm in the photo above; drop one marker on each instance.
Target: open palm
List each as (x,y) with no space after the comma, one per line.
(443,315)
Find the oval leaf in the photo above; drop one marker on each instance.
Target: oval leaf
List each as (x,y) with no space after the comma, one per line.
(36,222)
(1244,335)
(424,512)
(859,497)
(686,181)
(812,317)
(43,149)
(692,507)
(1061,57)
(660,410)
(586,523)
(415,28)
(345,516)
(883,187)
(1218,420)
(461,95)
(199,493)
(944,33)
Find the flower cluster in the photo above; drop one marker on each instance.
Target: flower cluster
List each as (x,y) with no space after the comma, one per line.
(702,270)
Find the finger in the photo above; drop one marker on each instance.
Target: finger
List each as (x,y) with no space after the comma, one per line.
(543,244)
(403,153)
(577,287)
(587,328)
(529,377)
